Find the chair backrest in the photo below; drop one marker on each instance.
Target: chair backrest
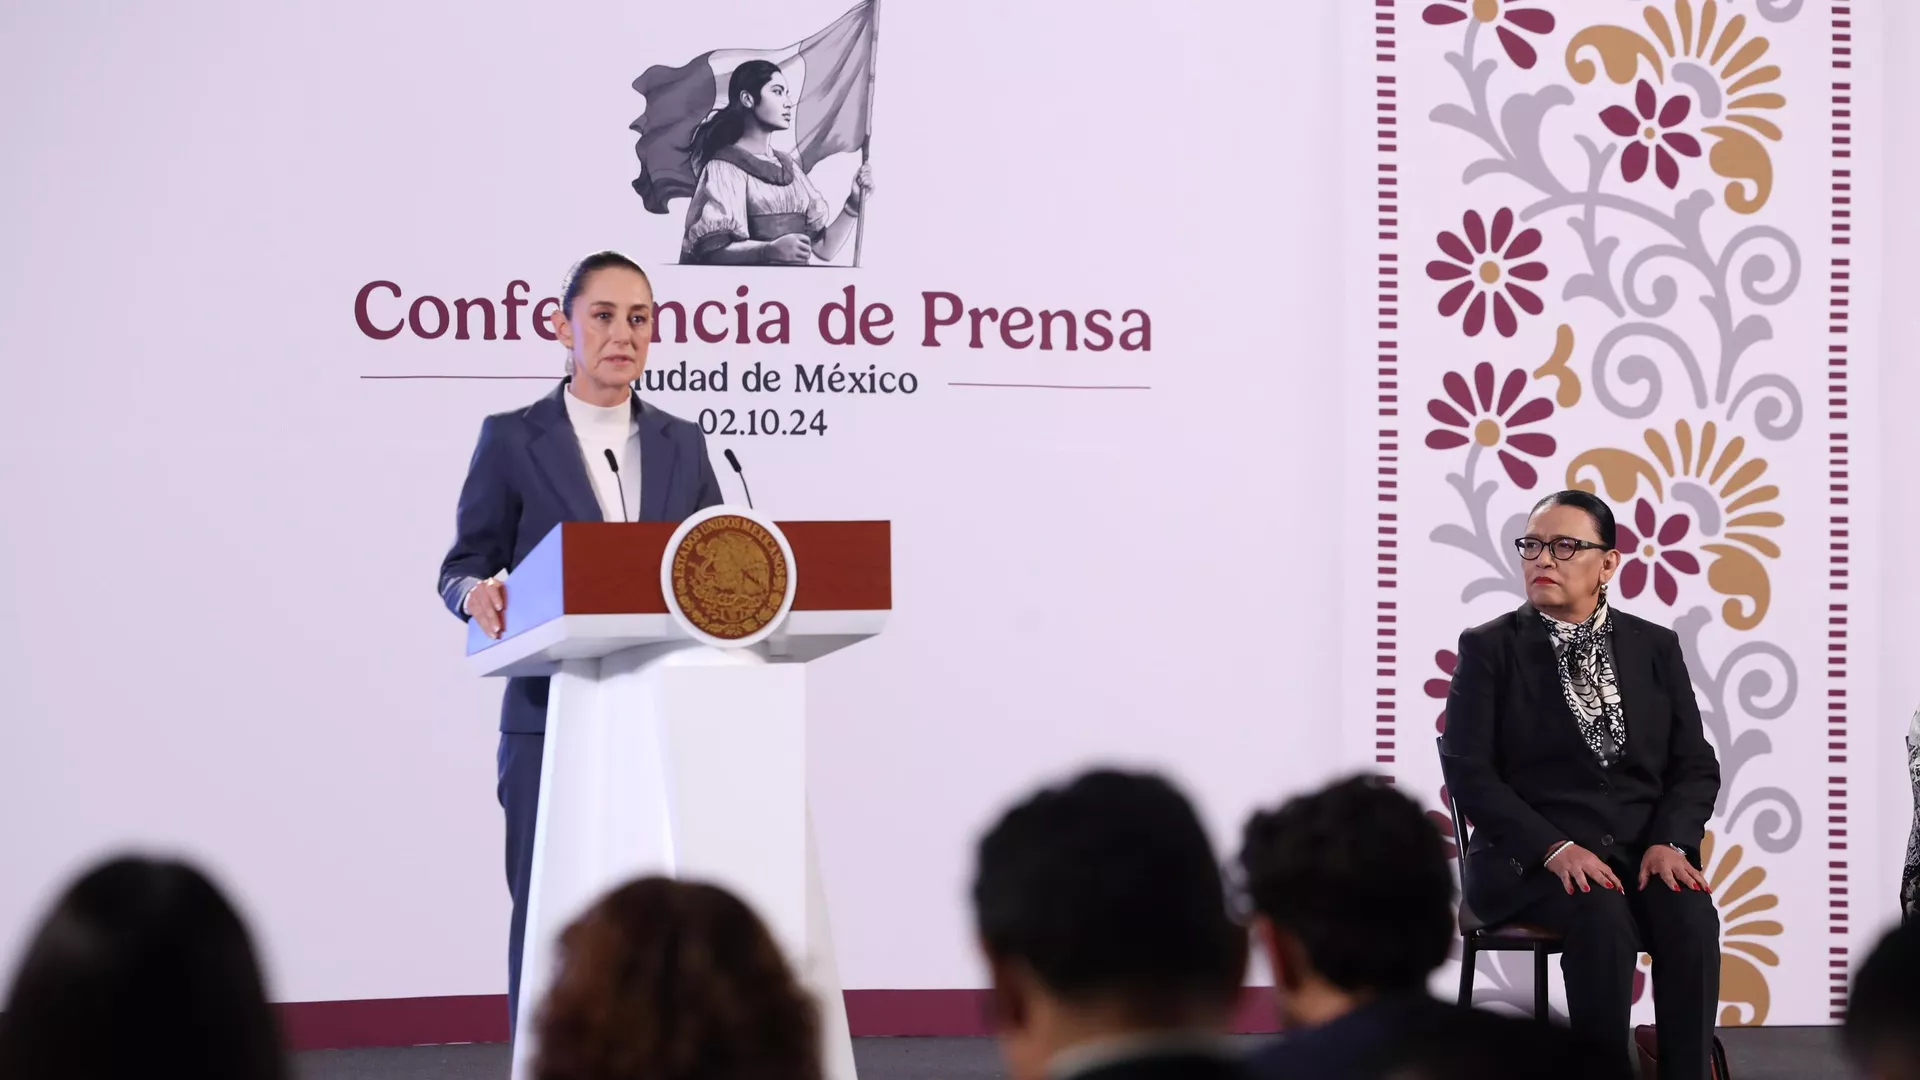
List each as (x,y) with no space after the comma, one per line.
(1453,807)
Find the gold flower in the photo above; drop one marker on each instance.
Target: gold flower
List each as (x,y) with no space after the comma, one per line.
(1723,77)
(1743,985)
(1727,501)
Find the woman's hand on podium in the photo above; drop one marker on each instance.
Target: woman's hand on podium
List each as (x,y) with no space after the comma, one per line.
(487,605)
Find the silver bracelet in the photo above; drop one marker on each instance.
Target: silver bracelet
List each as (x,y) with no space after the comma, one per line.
(1555,853)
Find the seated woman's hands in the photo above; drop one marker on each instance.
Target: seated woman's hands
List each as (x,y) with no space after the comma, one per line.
(1667,863)
(1575,865)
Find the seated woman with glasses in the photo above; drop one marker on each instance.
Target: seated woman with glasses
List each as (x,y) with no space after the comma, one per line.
(1574,747)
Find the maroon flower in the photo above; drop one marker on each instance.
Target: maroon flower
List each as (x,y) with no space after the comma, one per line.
(1486,264)
(1650,134)
(1649,546)
(1532,20)
(1496,419)
(1439,688)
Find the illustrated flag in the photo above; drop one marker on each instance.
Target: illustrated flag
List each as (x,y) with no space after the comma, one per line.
(829,73)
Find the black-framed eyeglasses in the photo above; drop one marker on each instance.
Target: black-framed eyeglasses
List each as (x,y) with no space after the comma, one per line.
(1563,547)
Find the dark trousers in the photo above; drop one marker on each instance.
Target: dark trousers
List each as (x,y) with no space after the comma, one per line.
(1605,934)
(519,790)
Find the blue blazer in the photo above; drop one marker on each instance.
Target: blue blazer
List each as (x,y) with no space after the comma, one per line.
(527,476)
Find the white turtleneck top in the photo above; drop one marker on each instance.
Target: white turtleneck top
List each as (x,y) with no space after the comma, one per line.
(600,428)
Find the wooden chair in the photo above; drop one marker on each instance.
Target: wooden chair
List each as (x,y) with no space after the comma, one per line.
(1477,936)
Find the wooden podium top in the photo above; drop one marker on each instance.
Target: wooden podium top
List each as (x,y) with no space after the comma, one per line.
(844,566)
(590,588)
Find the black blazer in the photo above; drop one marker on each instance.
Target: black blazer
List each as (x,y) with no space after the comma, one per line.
(1520,772)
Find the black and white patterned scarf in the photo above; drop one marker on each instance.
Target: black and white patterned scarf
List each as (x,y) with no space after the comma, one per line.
(1588,681)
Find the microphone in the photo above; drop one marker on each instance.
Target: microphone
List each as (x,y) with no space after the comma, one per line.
(614,464)
(735,462)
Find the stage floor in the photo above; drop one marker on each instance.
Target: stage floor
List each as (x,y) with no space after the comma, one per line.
(1777,1053)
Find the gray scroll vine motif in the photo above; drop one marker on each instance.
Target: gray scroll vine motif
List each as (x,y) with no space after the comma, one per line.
(1481,541)
(1776,827)
(1514,141)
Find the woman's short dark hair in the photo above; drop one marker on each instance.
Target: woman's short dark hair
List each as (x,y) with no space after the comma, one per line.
(1594,506)
(587,267)
(141,968)
(1358,875)
(675,980)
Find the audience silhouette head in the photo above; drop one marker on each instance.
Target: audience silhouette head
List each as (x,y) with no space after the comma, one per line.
(142,969)
(675,980)
(1352,902)
(1351,894)
(1883,1011)
(1101,911)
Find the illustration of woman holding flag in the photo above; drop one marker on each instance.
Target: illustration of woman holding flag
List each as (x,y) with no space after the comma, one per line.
(753,204)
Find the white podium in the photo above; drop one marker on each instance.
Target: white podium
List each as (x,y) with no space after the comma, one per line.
(676,722)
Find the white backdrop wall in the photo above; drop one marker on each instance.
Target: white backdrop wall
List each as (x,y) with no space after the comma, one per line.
(1898,144)
(221,629)
(228,500)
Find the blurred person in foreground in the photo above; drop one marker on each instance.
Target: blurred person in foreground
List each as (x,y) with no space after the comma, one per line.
(1352,904)
(1883,1010)
(141,969)
(1486,1046)
(1103,919)
(675,980)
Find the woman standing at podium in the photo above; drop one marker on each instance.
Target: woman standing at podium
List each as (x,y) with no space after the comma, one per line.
(552,461)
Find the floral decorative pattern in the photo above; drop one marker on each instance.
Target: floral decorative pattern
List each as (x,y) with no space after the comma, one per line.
(1722,71)
(1557,368)
(1688,308)
(1488,265)
(1514,12)
(1648,547)
(1477,416)
(1651,130)
(1721,486)
(1744,996)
